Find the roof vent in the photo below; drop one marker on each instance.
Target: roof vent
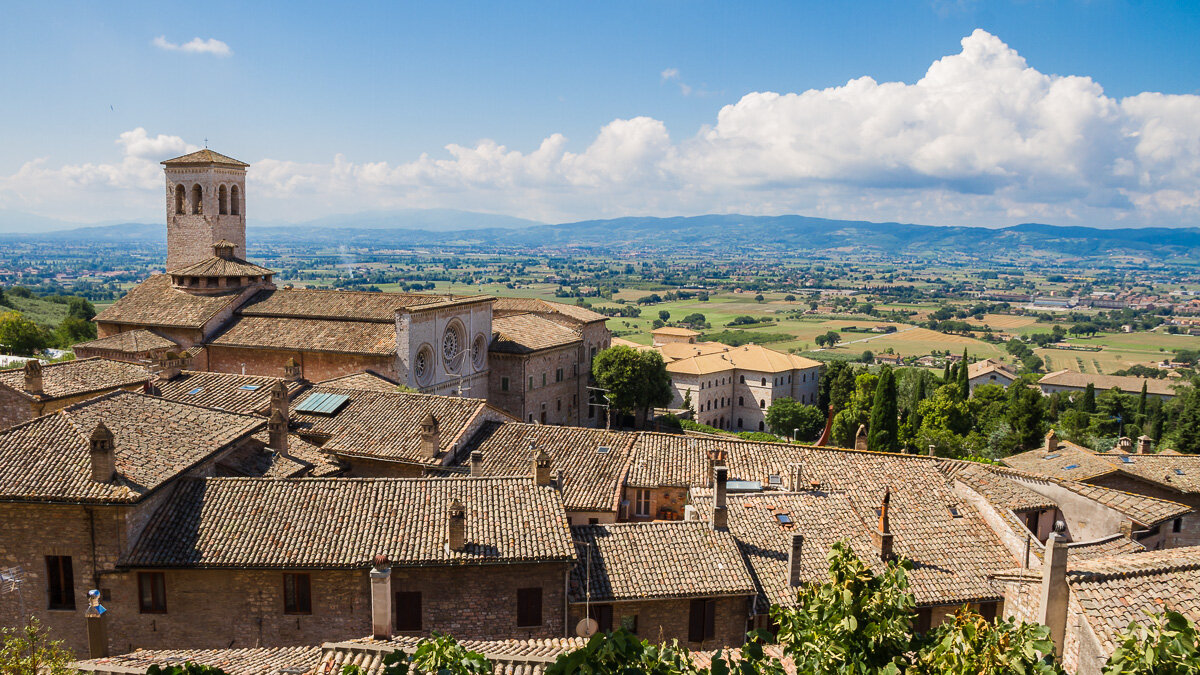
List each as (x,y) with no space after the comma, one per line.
(33,377)
(104,464)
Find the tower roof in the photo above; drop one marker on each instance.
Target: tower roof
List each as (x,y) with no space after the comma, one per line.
(204,157)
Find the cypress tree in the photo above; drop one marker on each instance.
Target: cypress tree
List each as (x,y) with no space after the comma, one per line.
(883,433)
(946,374)
(1088,403)
(964,384)
(1142,403)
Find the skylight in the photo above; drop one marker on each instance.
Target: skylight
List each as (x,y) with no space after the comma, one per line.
(195,391)
(1126,459)
(1071,466)
(1052,455)
(774,479)
(249,387)
(783,518)
(1178,472)
(955,512)
(322,404)
(603,449)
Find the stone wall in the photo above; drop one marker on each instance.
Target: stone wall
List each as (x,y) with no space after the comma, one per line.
(15,408)
(190,236)
(668,619)
(316,366)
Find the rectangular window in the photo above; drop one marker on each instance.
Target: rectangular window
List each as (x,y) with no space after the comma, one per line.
(60,578)
(1177,525)
(529,606)
(408,611)
(152,593)
(641,504)
(531,382)
(297,594)
(602,615)
(543,379)
(558,375)
(702,620)
(504,384)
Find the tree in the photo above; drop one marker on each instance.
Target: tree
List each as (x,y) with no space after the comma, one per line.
(635,379)
(622,652)
(1026,409)
(73,330)
(1166,645)
(883,432)
(787,415)
(1185,420)
(832,338)
(80,308)
(20,335)
(821,340)
(972,645)
(964,383)
(438,654)
(30,651)
(664,315)
(946,373)
(1088,402)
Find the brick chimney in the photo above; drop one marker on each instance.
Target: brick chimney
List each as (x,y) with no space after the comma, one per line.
(33,377)
(104,464)
(1053,607)
(381,598)
(430,436)
(1145,445)
(794,560)
(720,515)
(292,370)
(883,535)
(1051,441)
(476,462)
(541,466)
(860,438)
(277,430)
(458,526)
(168,366)
(1125,444)
(279,399)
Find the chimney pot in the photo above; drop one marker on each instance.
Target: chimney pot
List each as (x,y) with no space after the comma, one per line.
(104,467)
(277,430)
(292,370)
(476,462)
(33,377)
(883,537)
(458,526)
(430,436)
(860,438)
(720,516)
(1051,441)
(381,598)
(1145,445)
(541,466)
(97,631)
(279,399)
(794,560)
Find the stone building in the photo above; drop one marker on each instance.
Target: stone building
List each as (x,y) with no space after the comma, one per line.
(35,389)
(989,371)
(1076,383)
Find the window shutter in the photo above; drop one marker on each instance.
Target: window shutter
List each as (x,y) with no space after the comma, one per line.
(696,621)
(408,610)
(710,619)
(529,606)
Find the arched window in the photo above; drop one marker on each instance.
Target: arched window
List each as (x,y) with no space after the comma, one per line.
(180,198)
(762,403)
(760,426)
(741,400)
(223,201)
(742,379)
(235,201)
(764,382)
(197,200)
(739,423)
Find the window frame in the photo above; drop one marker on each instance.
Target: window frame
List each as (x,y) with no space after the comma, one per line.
(158,593)
(60,583)
(301,601)
(702,619)
(641,497)
(413,599)
(526,607)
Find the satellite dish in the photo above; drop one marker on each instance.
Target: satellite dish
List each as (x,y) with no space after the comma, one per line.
(587,628)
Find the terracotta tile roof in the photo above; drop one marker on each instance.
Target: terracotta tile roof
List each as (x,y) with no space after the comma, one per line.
(1168,469)
(303,459)
(1116,590)
(74,378)
(1127,384)
(343,305)
(1100,548)
(747,357)
(525,333)
(508,657)
(1086,463)
(310,335)
(48,458)
(568,313)
(674,351)
(387,425)
(1145,510)
(1178,472)
(994,486)
(130,341)
(204,156)
(590,480)
(675,331)
(664,459)
(154,302)
(633,561)
(989,366)
(247,661)
(345,522)
(217,266)
(366,381)
(226,391)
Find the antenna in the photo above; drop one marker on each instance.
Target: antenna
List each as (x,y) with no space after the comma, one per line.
(11,579)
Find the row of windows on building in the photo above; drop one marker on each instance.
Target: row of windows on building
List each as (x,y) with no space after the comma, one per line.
(229,200)
(742,380)
(721,403)
(702,619)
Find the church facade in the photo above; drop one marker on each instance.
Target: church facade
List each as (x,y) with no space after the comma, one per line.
(224,314)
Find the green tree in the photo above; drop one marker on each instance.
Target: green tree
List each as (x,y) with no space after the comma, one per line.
(622,652)
(80,308)
(832,338)
(972,645)
(946,373)
(883,431)
(1087,403)
(786,415)
(857,410)
(1026,409)
(1166,645)
(664,315)
(1185,420)
(964,384)
(73,330)
(635,379)
(435,655)
(20,335)
(28,650)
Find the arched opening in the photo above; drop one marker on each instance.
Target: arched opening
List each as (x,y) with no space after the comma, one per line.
(235,201)
(197,200)
(739,423)
(222,201)
(741,400)
(760,426)
(180,197)
(764,382)
(762,403)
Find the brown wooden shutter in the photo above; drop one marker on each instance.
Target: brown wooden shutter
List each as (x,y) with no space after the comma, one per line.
(696,621)
(408,611)
(529,606)
(710,619)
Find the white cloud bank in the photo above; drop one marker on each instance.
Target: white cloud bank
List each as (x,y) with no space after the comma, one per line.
(981,139)
(195,46)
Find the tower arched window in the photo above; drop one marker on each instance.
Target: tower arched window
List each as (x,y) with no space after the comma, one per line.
(180,198)
(223,200)
(235,201)
(197,200)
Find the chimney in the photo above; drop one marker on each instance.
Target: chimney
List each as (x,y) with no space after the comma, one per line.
(794,560)
(477,463)
(720,516)
(97,632)
(430,436)
(932,450)
(1145,445)
(1051,441)
(798,477)
(292,370)
(381,598)
(104,465)
(541,466)
(824,439)
(860,438)
(168,366)
(279,399)
(33,377)
(884,537)
(277,430)
(1125,444)
(458,526)
(1054,587)
(224,249)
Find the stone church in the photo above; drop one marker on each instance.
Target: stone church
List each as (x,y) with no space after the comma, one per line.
(222,313)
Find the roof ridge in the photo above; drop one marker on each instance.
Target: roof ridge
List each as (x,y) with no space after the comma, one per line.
(362,479)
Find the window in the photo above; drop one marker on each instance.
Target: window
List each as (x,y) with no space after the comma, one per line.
(235,201)
(504,384)
(558,404)
(924,620)
(741,400)
(152,593)
(764,382)
(529,606)
(543,379)
(297,594)
(702,620)
(641,503)
(408,611)
(762,403)
(531,382)
(602,615)
(180,198)
(783,518)
(593,521)
(742,379)
(739,423)
(629,623)
(760,426)
(987,610)
(60,579)
(223,201)
(1177,525)
(558,375)
(197,200)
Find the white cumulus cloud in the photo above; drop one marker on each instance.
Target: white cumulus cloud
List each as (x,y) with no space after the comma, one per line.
(195,46)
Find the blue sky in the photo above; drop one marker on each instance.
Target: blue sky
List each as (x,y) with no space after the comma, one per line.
(638,107)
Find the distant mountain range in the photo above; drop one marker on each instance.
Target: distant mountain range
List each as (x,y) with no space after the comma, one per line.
(706,233)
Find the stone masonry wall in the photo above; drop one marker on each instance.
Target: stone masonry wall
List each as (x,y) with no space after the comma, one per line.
(316,366)
(668,619)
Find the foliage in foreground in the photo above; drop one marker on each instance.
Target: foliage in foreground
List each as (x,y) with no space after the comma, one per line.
(30,651)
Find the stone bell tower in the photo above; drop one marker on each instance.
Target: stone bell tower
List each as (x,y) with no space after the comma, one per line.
(206,203)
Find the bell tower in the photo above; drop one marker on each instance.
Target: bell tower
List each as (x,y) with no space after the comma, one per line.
(206,203)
